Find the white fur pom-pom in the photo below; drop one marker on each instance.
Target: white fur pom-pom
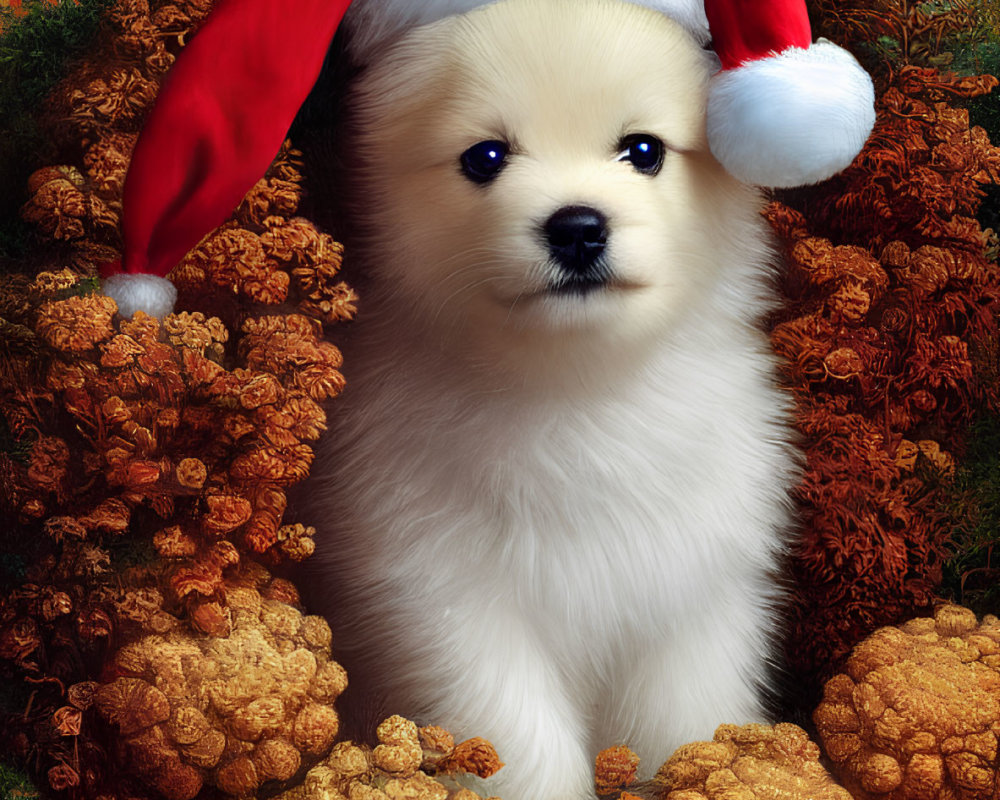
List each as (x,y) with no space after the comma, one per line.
(149,293)
(792,119)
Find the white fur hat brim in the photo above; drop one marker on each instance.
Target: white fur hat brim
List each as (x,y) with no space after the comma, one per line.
(370,23)
(793,119)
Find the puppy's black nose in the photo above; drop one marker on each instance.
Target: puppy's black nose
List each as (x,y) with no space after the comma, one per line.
(577,236)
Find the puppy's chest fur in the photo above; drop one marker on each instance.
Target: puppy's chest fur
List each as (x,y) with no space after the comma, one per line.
(598,519)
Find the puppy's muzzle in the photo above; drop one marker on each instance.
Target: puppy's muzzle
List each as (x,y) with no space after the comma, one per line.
(577,237)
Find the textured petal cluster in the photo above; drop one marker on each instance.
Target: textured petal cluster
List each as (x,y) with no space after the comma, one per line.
(409,763)
(232,712)
(614,768)
(752,762)
(916,712)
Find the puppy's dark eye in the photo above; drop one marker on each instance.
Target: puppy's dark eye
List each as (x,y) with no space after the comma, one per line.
(484,160)
(644,151)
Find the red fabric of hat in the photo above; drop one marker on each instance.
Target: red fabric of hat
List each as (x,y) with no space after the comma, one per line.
(781,112)
(219,119)
(748,30)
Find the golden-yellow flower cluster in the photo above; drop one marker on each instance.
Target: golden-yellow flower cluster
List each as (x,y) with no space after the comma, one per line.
(409,763)
(614,768)
(231,711)
(752,762)
(916,713)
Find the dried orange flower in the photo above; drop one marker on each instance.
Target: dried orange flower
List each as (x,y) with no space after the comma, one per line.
(270,196)
(119,97)
(191,473)
(59,208)
(399,752)
(67,721)
(296,541)
(352,771)
(62,777)
(615,767)
(81,695)
(48,283)
(76,324)
(297,241)
(475,756)
(195,332)
(49,459)
(436,743)
(111,515)
(107,162)
(132,704)
(63,529)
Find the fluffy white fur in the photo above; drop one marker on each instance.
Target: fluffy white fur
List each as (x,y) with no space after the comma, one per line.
(373,22)
(549,520)
(150,293)
(792,119)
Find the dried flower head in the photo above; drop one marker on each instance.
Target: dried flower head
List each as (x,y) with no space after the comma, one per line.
(234,708)
(916,712)
(615,768)
(76,324)
(757,762)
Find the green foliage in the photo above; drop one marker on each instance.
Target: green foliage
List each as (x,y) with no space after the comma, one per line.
(36,51)
(16,448)
(131,551)
(82,287)
(983,57)
(16,235)
(972,573)
(36,48)
(14,784)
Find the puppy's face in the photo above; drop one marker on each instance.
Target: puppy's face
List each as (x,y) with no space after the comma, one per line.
(534,169)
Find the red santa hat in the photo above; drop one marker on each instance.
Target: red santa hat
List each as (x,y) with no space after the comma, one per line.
(782,112)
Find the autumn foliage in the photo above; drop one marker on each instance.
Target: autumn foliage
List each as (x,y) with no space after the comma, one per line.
(889,336)
(145,463)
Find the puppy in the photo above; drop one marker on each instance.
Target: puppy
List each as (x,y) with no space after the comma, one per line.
(556,488)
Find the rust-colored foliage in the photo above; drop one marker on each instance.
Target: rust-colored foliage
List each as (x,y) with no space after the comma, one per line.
(144,463)
(890,313)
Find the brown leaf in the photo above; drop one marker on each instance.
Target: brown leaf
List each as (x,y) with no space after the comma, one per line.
(67,720)
(62,777)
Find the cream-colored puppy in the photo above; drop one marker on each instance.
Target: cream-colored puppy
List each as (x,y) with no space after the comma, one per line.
(555,491)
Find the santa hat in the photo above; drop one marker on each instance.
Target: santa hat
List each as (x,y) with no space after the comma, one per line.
(782,112)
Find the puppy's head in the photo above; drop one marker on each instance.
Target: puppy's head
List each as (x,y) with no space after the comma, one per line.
(536,171)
